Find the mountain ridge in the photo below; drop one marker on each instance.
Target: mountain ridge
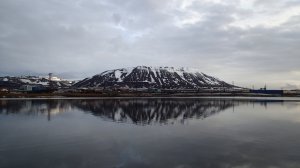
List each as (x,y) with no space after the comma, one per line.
(153,77)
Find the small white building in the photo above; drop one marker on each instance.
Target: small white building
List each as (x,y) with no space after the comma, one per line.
(3,90)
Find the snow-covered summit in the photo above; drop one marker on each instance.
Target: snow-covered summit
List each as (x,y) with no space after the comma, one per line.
(153,77)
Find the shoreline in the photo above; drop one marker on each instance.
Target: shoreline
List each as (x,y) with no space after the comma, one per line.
(12,96)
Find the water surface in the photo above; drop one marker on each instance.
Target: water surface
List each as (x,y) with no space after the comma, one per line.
(157,132)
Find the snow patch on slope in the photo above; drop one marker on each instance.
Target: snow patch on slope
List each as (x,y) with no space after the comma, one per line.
(166,77)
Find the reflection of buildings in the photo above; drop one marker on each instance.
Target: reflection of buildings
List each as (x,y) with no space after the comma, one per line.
(34,107)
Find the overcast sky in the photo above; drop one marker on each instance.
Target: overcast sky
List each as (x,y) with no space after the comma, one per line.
(250,42)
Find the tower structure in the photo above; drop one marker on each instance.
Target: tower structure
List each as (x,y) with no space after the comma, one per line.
(49,79)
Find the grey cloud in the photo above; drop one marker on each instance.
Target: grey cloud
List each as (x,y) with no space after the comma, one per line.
(84,37)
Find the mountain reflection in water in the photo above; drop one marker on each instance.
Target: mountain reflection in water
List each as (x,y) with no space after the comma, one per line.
(136,111)
(217,133)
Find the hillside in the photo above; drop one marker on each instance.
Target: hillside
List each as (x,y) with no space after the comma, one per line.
(16,82)
(153,77)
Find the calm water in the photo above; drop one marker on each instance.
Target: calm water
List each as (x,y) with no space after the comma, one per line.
(179,133)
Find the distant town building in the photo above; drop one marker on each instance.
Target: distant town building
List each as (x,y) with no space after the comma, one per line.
(53,78)
(33,88)
(270,92)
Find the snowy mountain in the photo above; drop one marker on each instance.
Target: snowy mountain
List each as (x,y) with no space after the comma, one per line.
(17,82)
(153,77)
